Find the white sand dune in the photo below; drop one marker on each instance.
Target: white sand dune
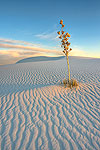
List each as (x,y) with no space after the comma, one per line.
(39,58)
(38,113)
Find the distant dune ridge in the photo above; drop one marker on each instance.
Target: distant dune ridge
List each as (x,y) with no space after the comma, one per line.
(39,58)
(37,113)
(46,58)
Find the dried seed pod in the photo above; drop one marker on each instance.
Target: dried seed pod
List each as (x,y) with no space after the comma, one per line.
(68,35)
(70,49)
(58,32)
(61,22)
(63,41)
(63,25)
(66,39)
(60,37)
(66,47)
(62,32)
(68,44)
(65,36)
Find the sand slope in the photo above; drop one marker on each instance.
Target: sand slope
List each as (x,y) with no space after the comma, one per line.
(38,113)
(39,58)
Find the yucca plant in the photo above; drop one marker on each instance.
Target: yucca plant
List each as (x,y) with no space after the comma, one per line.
(64,36)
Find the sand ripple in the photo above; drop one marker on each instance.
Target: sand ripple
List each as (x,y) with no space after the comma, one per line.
(50,117)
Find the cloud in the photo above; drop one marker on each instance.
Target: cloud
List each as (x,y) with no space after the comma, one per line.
(50,36)
(22,47)
(18,53)
(10,41)
(12,51)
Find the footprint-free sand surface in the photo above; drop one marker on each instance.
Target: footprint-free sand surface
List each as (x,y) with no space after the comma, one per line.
(37,113)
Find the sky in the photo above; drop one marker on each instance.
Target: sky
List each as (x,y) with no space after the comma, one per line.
(29,28)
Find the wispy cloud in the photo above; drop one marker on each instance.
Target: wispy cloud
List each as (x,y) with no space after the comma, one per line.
(17,53)
(50,36)
(16,42)
(15,50)
(29,48)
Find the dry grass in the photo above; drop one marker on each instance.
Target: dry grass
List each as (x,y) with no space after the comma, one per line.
(71,83)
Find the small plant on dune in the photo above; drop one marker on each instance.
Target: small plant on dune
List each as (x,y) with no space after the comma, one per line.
(64,36)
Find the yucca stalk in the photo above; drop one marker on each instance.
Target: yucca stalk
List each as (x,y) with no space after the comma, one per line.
(68,67)
(65,44)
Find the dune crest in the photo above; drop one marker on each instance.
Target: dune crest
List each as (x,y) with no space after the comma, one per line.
(39,58)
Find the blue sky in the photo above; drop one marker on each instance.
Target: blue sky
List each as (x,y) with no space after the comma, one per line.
(34,24)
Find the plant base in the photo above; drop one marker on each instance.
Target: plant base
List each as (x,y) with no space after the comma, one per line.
(72,83)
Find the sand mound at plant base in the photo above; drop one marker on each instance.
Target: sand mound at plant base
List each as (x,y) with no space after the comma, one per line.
(38,113)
